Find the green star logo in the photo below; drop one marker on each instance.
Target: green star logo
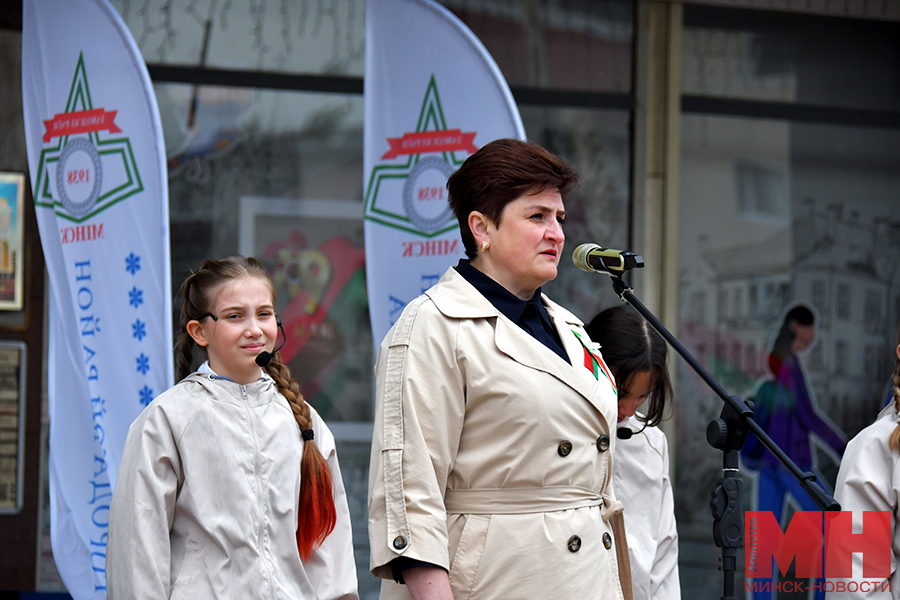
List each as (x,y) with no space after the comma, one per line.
(411,196)
(84,173)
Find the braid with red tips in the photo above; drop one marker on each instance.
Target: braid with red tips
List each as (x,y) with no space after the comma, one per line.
(317,514)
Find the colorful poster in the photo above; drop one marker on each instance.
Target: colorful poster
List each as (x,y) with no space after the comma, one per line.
(433,97)
(97,163)
(313,250)
(12,194)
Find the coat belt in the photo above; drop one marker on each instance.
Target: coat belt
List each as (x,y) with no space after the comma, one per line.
(526,500)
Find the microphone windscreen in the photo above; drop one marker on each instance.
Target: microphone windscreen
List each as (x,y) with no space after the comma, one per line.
(623,433)
(263,358)
(581,254)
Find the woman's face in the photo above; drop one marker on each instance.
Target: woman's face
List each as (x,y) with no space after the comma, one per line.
(633,393)
(524,251)
(803,336)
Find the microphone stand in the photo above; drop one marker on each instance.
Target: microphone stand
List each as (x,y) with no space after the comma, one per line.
(727,433)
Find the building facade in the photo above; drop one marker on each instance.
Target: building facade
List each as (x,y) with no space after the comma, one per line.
(746,148)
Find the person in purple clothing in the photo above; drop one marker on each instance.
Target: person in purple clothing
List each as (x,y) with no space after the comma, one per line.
(784,409)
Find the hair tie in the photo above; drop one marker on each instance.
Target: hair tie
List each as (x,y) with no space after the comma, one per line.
(308,434)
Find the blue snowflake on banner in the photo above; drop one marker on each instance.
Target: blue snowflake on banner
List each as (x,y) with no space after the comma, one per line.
(139,330)
(132,263)
(143,363)
(146,395)
(135,297)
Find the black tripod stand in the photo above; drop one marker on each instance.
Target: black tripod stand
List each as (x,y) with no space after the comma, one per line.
(726,433)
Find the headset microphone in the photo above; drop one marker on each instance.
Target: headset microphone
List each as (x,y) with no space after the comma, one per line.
(264,358)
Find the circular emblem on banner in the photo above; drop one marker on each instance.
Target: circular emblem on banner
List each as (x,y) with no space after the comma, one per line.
(78,176)
(425,195)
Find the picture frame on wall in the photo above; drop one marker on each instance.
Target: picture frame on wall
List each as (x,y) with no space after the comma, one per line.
(12,265)
(12,425)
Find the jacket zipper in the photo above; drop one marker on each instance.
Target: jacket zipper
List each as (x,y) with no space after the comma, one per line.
(260,512)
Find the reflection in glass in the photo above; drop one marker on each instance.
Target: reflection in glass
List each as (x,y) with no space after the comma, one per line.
(773,214)
(597,144)
(295,36)
(757,55)
(582,45)
(277,175)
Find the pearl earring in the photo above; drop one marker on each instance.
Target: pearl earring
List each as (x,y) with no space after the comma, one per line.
(484,245)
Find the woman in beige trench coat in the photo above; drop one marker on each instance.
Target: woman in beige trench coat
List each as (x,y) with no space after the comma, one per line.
(491,459)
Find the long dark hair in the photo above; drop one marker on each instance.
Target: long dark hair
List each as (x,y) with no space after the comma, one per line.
(784,341)
(630,346)
(317,514)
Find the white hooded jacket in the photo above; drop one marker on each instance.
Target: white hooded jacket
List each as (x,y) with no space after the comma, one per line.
(869,480)
(206,500)
(641,479)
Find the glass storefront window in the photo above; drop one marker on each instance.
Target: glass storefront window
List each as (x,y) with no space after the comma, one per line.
(276,175)
(598,145)
(564,44)
(294,36)
(776,213)
(758,55)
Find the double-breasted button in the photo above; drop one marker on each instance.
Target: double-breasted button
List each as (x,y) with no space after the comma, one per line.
(574,544)
(565,448)
(603,443)
(399,542)
(607,541)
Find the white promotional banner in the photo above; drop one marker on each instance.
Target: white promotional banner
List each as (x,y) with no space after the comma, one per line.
(98,173)
(433,97)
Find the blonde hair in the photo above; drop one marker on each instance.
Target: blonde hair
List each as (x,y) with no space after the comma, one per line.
(317,514)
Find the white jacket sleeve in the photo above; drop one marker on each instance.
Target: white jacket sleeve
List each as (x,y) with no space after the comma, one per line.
(869,480)
(332,566)
(138,554)
(664,580)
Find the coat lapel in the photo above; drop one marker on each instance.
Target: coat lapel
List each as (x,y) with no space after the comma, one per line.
(524,349)
(461,300)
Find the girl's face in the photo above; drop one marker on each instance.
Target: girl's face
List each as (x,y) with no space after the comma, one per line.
(245,327)
(633,393)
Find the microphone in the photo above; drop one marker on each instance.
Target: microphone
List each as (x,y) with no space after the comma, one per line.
(624,433)
(264,358)
(591,257)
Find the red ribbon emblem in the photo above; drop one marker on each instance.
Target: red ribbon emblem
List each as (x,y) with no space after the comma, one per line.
(84,121)
(431,141)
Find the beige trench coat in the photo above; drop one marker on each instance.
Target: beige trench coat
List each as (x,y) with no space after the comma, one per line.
(492,457)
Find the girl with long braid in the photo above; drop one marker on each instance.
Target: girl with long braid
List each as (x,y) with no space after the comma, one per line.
(229,485)
(869,480)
